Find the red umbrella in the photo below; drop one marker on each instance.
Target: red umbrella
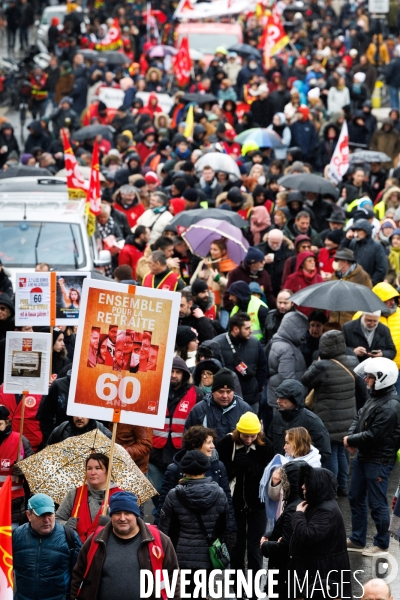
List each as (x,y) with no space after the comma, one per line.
(158,14)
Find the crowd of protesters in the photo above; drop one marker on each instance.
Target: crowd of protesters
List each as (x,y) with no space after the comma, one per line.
(274,409)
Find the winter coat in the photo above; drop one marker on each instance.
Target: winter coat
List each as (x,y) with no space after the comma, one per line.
(137,441)
(304,135)
(156,222)
(79,90)
(242,273)
(278,553)
(217,473)
(358,275)
(384,291)
(354,337)
(318,544)
(178,519)
(131,253)
(209,414)
(393,73)
(53,407)
(298,417)
(335,389)
(58,118)
(375,431)
(371,256)
(387,142)
(91,585)
(251,353)
(291,232)
(337,99)
(275,268)
(262,111)
(245,467)
(5,284)
(42,563)
(38,139)
(64,86)
(285,360)
(12,146)
(67,430)
(203,326)
(300,279)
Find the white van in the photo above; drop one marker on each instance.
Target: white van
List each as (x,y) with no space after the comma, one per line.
(43,225)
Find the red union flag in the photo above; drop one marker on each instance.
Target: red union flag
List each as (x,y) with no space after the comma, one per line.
(340,157)
(274,38)
(76,185)
(183,63)
(6,559)
(93,199)
(112,40)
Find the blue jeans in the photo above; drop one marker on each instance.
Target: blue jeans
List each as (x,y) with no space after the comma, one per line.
(394,97)
(338,464)
(369,481)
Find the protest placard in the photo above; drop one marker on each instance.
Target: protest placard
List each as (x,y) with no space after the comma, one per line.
(27,362)
(123,353)
(68,296)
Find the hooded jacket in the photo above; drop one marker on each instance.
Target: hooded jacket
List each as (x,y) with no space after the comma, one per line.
(391,319)
(285,360)
(178,519)
(298,417)
(242,273)
(300,279)
(335,388)
(318,544)
(217,473)
(368,253)
(37,139)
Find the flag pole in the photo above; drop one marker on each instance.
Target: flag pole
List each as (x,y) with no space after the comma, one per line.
(21,425)
(115,421)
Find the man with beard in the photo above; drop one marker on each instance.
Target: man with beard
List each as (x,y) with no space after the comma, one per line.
(182,397)
(242,298)
(369,338)
(204,298)
(275,316)
(192,316)
(75,426)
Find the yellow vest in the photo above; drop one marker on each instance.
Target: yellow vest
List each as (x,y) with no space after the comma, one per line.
(252,311)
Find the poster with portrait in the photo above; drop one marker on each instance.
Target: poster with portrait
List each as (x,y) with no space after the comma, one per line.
(33,299)
(68,296)
(27,362)
(123,353)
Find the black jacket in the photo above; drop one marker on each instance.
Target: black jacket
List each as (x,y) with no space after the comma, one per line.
(5,284)
(354,337)
(318,543)
(393,73)
(370,255)
(53,407)
(375,431)
(67,430)
(335,389)
(262,112)
(178,519)
(278,553)
(298,417)
(203,326)
(217,473)
(247,468)
(275,269)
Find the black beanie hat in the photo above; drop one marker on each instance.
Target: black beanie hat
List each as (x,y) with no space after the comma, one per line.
(235,196)
(56,334)
(191,195)
(195,463)
(184,336)
(4,413)
(199,285)
(223,380)
(335,236)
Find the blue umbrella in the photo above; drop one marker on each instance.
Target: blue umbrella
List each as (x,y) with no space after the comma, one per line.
(264,138)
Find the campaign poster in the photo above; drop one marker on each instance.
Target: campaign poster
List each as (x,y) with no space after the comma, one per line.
(68,296)
(123,353)
(33,299)
(27,362)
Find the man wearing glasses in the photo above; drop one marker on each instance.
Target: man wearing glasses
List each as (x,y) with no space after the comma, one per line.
(375,434)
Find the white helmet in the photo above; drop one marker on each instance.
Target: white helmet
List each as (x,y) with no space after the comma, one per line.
(384,370)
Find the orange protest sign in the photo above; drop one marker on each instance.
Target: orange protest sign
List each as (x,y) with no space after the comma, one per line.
(123,353)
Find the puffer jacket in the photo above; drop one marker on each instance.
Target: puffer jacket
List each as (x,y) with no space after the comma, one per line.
(369,254)
(53,407)
(178,519)
(375,431)
(385,292)
(217,472)
(42,563)
(285,360)
(334,387)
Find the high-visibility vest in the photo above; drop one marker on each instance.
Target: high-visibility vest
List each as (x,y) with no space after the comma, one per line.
(174,424)
(8,456)
(37,93)
(170,281)
(252,311)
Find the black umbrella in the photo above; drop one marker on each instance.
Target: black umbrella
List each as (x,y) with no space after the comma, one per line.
(90,54)
(304,182)
(23,171)
(340,296)
(199,98)
(113,57)
(245,51)
(186,218)
(90,132)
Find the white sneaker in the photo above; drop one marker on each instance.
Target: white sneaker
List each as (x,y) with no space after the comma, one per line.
(352,547)
(375,551)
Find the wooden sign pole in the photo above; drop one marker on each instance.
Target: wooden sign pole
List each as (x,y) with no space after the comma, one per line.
(21,425)
(116,418)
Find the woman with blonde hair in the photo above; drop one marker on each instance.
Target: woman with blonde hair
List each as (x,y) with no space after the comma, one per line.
(298,446)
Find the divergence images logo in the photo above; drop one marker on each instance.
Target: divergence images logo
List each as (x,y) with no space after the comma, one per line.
(385,567)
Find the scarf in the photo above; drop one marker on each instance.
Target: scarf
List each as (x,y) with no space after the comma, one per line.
(394,527)
(369,335)
(309,276)
(260,220)
(394,259)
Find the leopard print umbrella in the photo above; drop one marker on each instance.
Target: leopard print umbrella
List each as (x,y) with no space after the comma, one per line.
(60,467)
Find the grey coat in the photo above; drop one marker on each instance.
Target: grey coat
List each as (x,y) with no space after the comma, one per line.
(335,389)
(285,360)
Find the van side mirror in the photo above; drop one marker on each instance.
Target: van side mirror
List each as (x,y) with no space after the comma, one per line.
(104,259)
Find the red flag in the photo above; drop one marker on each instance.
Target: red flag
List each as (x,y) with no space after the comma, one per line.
(76,185)
(274,38)
(6,559)
(112,40)
(183,63)
(93,199)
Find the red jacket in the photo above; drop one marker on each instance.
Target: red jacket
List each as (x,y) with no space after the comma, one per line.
(326,259)
(130,255)
(143,150)
(300,279)
(132,212)
(31,429)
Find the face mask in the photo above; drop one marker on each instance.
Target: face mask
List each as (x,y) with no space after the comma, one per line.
(261,180)
(253,65)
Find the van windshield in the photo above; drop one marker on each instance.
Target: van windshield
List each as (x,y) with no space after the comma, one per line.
(25,244)
(207,43)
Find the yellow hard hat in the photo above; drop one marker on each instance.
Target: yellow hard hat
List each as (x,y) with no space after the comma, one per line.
(249,424)
(249,147)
